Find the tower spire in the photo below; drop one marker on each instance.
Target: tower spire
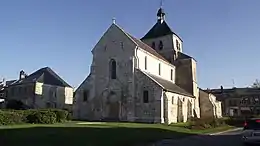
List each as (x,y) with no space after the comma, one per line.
(160,13)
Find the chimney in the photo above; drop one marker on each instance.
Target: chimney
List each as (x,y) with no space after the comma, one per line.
(22,75)
(221,89)
(4,82)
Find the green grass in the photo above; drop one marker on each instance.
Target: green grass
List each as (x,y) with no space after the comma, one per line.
(93,134)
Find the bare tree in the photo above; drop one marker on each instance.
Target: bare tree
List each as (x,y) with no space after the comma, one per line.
(256,84)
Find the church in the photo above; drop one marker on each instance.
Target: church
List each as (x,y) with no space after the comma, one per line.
(147,80)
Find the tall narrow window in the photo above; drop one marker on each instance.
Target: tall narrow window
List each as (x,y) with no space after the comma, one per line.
(145,63)
(145,96)
(171,74)
(153,45)
(159,69)
(177,45)
(85,95)
(112,69)
(161,45)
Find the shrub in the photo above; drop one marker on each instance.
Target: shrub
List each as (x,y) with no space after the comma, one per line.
(43,116)
(61,115)
(235,121)
(10,117)
(204,123)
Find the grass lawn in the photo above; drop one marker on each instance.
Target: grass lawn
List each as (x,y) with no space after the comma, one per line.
(93,134)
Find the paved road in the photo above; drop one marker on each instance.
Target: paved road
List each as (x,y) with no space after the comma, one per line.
(224,139)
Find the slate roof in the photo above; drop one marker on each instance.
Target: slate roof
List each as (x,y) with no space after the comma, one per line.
(147,48)
(183,56)
(46,76)
(158,30)
(170,86)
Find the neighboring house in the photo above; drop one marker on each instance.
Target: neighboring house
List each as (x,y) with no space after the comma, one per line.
(210,107)
(3,86)
(238,101)
(149,80)
(41,89)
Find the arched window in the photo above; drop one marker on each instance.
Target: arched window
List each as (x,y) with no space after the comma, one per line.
(161,45)
(171,74)
(159,69)
(145,96)
(178,45)
(153,45)
(145,63)
(112,68)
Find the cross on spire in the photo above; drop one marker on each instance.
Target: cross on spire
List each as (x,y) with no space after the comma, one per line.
(160,13)
(161,3)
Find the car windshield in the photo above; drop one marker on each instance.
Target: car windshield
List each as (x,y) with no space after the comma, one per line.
(252,124)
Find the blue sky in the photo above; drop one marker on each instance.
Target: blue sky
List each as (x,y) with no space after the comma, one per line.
(223,35)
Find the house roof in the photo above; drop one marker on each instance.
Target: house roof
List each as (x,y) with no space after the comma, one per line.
(170,86)
(158,30)
(46,76)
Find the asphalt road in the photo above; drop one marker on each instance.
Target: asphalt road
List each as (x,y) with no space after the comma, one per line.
(225,139)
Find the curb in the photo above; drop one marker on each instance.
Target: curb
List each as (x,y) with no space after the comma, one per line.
(231,130)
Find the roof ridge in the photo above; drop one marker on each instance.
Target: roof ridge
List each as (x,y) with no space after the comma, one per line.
(126,33)
(57,76)
(148,75)
(154,51)
(136,40)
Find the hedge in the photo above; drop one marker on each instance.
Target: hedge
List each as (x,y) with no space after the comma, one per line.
(205,123)
(42,116)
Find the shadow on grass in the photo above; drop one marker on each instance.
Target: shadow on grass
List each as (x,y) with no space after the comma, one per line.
(85,136)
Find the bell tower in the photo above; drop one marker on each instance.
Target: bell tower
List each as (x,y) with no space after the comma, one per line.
(162,39)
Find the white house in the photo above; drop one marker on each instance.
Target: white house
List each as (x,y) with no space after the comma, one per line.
(148,80)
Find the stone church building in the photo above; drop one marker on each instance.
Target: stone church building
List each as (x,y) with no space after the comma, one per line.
(140,80)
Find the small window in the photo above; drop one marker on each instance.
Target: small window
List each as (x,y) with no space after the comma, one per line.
(145,96)
(85,95)
(153,45)
(48,105)
(177,45)
(112,69)
(145,62)
(171,74)
(159,69)
(161,45)
(172,99)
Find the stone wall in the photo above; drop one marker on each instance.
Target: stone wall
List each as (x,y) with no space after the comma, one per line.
(39,95)
(186,78)
(109,98)
(179,107)
(152,111)
(49,96)
(209,106)
(206,107)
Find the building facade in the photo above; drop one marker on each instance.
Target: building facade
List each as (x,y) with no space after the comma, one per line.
(238,101)
(41,89)
(142,80)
